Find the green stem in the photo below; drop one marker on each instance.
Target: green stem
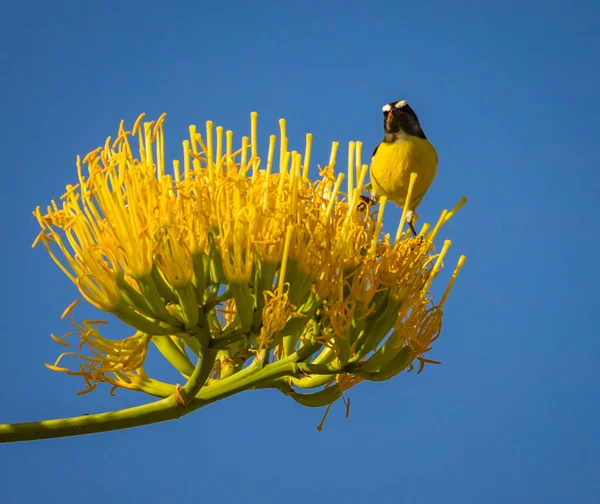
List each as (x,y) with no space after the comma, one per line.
(176,357)
(206,361)
(159,411)
(317,399)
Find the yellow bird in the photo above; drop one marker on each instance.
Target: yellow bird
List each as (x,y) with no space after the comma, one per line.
(403,150)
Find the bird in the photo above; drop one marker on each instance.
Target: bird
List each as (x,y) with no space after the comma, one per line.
(403,150)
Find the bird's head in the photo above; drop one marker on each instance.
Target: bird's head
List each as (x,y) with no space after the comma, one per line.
(399,119)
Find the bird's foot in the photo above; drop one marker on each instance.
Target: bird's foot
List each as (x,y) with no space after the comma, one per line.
(366,201)
(410,218)
(413,230)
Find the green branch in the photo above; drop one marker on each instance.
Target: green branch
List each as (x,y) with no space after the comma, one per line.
(159,411)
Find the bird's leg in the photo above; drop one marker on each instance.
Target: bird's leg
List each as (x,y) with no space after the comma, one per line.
(410,215)
(369,200)
(365,201)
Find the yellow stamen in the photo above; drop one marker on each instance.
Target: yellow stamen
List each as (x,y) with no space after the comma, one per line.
(461,261)
(438,264)
(219,151)
(209,151)
(69,308)
(254,133)
(176,170)
(355,195)
(244,161)
(283,146)
(358,167)
(351,151)
(424,229)
(333,155)
(456,208)
(192,129)
(294,182)
(229,151)
(284,259)
(333,198)
(160,147)
(282,177)
(307,152)
(406,208)
(438,226)
(272,140)
(186,159)
(378,226)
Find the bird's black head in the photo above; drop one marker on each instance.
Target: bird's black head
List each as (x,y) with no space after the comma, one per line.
(398,119)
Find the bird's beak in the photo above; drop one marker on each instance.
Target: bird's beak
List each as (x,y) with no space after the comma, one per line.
(389,118)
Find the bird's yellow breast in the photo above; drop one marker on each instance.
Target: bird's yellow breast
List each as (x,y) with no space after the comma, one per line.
(393,163)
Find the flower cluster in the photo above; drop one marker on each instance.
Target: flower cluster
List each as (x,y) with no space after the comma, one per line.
(241,261)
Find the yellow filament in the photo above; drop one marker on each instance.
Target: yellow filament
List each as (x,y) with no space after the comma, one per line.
(438,226)
(255,167)
(437,265)
(282,176)
(351,151)
(69,308)
(382,203)
(461,261)
(148,143)
(333,155)
(209,150)
(333,198)
(456,208)
(254,133)
(424,229)
(359,146)
(411,186)
(353,197)
(158,126)
(203,147)
(244,160)
(284,259)
(186,158)
(307,152)
(296,162)
(176,170)
(272,141)
(137,123)
(229,139)
(254,143)
(192,129)
(283,146)
(160,152)
(219,153)
(363,174)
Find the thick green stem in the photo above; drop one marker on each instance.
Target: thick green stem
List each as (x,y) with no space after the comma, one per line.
(159,411)
(176,357)
(206,360)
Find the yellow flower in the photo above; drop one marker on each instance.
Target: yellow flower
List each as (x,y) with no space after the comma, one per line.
(234,259)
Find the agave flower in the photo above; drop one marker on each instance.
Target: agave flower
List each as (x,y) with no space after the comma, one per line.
(243,273)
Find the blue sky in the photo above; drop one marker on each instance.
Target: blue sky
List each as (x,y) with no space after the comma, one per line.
(507,92)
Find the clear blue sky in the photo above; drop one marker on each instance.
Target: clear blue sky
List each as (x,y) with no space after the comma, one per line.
(507,92)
